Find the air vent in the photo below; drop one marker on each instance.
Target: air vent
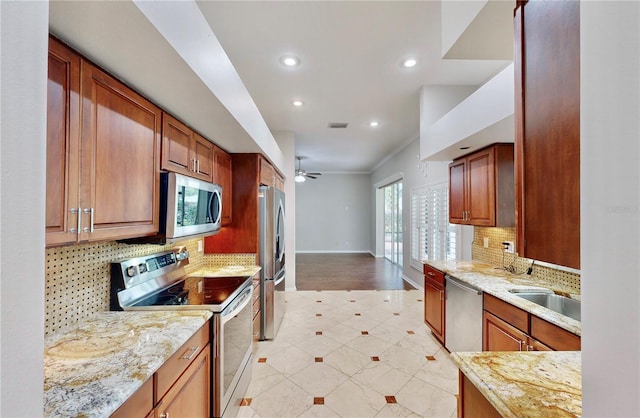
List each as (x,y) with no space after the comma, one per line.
(338,125)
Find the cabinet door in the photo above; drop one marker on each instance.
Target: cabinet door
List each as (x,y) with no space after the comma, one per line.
(63,144)
(547,120)
(120,159)
(267,175)
(457,211)
(434,308)
(223,177)
(500,336)
(176,146)
(203,154)
(481,192)
(190,395)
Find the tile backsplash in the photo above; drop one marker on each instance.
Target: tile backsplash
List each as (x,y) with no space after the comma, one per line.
(78,277)
(494,255)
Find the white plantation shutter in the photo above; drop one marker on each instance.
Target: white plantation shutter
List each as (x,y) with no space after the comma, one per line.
(432,237)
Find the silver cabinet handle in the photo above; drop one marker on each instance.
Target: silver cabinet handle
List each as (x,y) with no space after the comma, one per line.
(198,165)
(76,211)
(164,415)
(193,166)
(89,211)
(193,350)
(520,344)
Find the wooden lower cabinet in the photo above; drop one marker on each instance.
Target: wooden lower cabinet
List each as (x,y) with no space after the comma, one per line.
(508,328)
(471,403)
(191,394)
(434,302)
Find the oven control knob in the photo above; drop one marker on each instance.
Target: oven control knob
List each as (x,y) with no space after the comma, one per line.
(132,271)
(142,267)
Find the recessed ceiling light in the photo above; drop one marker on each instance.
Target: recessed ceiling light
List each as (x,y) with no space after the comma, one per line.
(297,103)
(374,123)
(410,62)
(290,61)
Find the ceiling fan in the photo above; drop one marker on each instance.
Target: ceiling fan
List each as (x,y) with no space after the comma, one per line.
(302,175)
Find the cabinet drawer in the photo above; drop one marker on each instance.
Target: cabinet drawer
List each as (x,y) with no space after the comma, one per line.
(514,316)
(554,336)
(178,363)
(139,404)
(433,274)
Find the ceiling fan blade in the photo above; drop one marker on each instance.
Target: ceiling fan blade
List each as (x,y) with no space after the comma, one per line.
(315,174)
(309,176)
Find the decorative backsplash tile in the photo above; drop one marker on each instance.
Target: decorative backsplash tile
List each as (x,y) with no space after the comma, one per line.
(78,277)
(495,256)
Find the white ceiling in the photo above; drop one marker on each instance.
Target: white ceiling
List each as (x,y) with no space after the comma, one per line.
(350,70)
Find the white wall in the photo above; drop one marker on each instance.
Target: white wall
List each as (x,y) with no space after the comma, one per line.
(286,142)
(333,214)
(23,122)
(610,207)
(415,173)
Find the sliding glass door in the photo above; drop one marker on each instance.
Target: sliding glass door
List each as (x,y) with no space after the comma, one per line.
(393,222)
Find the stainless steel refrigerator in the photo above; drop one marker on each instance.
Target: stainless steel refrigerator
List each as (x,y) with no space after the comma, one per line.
(272,261)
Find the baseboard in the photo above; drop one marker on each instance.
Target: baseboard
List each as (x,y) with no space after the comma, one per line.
(412,283)
(334,252)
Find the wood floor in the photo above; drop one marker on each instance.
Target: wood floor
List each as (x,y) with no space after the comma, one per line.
(347,272)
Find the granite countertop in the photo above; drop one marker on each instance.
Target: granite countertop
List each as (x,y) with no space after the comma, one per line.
(497,282)
(526,384)
(91,370)
(226,271)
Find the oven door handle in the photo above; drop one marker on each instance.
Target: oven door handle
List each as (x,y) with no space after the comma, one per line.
(243,300)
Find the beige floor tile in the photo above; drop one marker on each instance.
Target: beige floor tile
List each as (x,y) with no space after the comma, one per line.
(319,411)
(318,379)
(403,359)
(382,378)
(263,378)
(396,411)
(319,345)
(352,399)
(441,373)
(283,400)
(369,345)
(290,361)
(342,333)
(347,360)
(426,400)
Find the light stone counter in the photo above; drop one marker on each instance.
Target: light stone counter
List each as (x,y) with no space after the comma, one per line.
(226,271)
(91,370)
(497,282)
(526,384)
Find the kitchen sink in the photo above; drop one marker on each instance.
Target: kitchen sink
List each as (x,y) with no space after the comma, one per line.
(560,304)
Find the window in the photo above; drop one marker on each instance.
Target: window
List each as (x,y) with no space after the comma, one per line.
(393,222)
(432,236)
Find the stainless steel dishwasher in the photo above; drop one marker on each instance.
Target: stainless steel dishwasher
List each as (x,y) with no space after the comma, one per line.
(463,319)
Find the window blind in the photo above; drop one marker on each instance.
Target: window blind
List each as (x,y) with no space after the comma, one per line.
(432,237)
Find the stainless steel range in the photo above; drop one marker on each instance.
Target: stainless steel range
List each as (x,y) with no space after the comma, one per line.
(158,282)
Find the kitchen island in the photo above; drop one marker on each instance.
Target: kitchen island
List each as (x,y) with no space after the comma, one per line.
(521,384)
(93,369)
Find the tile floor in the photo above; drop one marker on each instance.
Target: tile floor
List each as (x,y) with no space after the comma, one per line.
(352,354)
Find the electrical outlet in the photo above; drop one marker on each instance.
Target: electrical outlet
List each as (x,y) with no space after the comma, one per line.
(199,245)
(509,247)
(486,242)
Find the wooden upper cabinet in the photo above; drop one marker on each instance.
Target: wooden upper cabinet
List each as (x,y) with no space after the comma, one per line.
(267,173)
(242,236)
(481,188)
(63,144)
(103,169)
(185,151)
(120,159)
(222,176)
(547,120)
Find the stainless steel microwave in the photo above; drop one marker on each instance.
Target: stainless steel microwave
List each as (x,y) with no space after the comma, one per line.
(189,207)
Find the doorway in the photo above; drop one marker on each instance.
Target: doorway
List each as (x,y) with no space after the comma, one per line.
(392,194)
